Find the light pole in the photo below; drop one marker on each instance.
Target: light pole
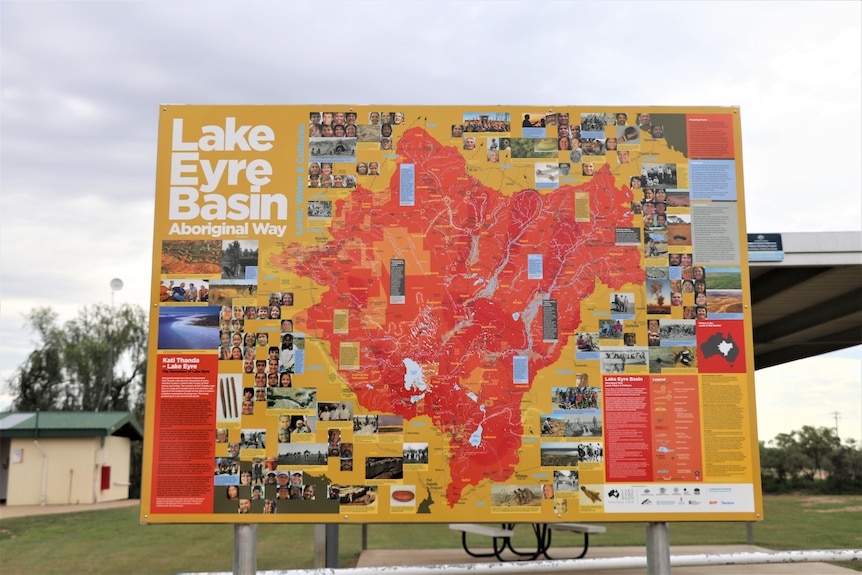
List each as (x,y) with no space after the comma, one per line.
(116,285)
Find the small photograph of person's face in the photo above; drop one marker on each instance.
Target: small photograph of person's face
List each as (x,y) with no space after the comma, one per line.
(374,118)
(362,169)
(326,131)
(623,156)
(611,144)
(273,366)
(629,339)
(327,118)
(272,379)
(685,260)
(700,312)
(263,338)
(674,259)
(224,338)
(285,380)
(493,156)
(350,118)
(645,120)
(263,312)
(386,117)
(589,169)
(233,449)
(259,394)
(676,299)
(622,119)
(221,435)
(260,379)
(385,143)
(457,130)
(338,118)
(373,169)
(700,300)
(232,492)
(245,506)
(653,339)
(314,118)
(350,131)
(398,118)
(338,131)
(247,407)
(688,312)
(470,143)
(386,130)
(657,132)
(236,352)
(245,478)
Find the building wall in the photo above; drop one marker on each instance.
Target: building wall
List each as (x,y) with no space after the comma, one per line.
(73,470)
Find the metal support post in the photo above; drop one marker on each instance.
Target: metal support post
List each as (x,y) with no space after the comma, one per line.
(658,549)
(332,546)
(319,546)
(749,528)
(245,549)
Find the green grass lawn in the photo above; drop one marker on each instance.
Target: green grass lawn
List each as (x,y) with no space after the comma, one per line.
(112,541)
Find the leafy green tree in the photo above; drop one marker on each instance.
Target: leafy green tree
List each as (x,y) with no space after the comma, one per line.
(845,474)
(39,381)
(786,460)
(818,444)
(95,362)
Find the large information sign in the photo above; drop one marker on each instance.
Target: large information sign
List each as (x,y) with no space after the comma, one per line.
(433,314)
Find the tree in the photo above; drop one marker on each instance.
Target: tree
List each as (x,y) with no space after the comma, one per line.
(818,444)
(96,362)
(845,474)
(786,460)
(39,380)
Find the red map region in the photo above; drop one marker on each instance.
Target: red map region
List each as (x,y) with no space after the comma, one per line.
(470,307)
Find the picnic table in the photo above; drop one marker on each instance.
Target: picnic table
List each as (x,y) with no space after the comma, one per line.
(501,538)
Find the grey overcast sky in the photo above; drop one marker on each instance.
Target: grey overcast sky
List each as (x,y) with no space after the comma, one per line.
(82,81)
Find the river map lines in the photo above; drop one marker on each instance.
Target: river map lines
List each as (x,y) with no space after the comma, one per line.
(472,306)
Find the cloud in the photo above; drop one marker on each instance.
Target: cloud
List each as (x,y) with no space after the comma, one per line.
(811,392)
(82,83)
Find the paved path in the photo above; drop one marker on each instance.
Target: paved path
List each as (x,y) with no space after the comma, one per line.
(389,557)
(8,511)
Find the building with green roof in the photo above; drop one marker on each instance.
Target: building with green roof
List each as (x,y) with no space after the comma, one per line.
(66,457)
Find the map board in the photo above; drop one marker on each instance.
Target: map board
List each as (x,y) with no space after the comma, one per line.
(433,314)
